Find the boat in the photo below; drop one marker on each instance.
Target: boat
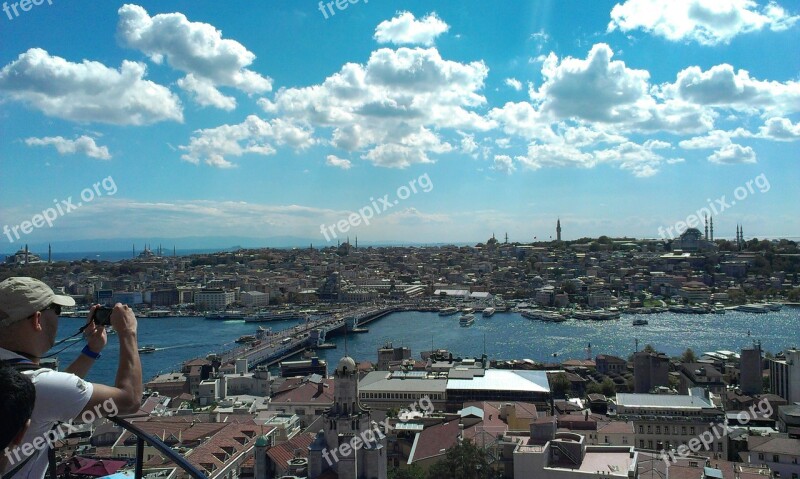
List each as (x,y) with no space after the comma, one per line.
(542,315)
(447,311)
(753,308)
(466,320)
(468,310)
(774,306)
(488,312)
(147,349)
(639,322)
(225,316)
(282,315)
(247,338)
(719,308)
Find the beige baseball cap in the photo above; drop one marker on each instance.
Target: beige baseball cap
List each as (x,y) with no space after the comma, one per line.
(21,296)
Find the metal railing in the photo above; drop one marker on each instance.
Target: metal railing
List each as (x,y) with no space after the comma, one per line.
(143,437)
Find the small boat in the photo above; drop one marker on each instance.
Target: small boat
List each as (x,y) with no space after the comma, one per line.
(719,308)
(466,320)
(639,322)
(147,349)
(247,338)
(488,312)
(447,311)
(773,306)
(468,310)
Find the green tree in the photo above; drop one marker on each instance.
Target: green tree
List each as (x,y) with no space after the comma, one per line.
(648,348)
(560,385)
(464,461)
(608,387)
(689,356)
(411,472)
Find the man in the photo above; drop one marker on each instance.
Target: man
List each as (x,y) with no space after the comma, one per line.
(28,326)
(17,396)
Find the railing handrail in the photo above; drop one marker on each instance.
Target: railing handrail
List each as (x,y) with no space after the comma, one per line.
(158,444)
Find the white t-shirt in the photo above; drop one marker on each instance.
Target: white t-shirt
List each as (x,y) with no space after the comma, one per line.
(60,397)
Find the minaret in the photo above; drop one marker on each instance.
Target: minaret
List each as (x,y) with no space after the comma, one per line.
(558,230)
(26,253)
(49,253)
(712,228)
(706,235)
(356,241)
(506,238)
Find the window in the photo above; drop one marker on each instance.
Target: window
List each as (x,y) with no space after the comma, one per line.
(761,456)
(649,429)
(641,429)
(649,444)
(658,429)
(606,439)
(691,430)
(641,443)
(775,458)
(683,430)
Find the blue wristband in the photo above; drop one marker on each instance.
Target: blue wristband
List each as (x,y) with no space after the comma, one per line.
(90,353)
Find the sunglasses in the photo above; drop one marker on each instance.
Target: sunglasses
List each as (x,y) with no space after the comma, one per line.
(56,308)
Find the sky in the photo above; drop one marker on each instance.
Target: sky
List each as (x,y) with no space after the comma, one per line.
(414,121)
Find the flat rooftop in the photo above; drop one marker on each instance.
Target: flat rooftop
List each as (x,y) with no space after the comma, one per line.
(503,380)
(662,401)
(607,463)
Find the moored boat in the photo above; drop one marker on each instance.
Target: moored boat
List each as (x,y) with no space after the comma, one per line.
(466,320)
(488,312)
(639,322)
(447,311)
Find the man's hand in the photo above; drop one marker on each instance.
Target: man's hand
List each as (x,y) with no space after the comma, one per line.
(96,337)
(123,319)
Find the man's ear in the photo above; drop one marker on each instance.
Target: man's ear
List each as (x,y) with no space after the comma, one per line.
(18,438)
(36,321)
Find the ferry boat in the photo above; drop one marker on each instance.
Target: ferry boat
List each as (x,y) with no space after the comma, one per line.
(468,310)
(541,315)
(753,308)
(466,320)
(639,322)
(147,349)
(447,311)
(274,316)
(719,308)
(226,316)
(247,338)
(488,312)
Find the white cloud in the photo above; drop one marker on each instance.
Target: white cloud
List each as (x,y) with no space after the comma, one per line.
(514,83)
(721,87)
(205,94)
(88,91)
(504,164)
(395,108)
(780,129)
(733,154)
(335,161)
(708,22)
(195,48)
(254,136)
(404,28)
(468,143)
(594,89)
(714,139)
(84,144)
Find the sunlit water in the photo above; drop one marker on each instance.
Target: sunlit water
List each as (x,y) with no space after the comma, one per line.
(505,336)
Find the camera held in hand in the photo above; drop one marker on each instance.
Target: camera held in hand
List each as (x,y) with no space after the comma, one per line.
(102,316)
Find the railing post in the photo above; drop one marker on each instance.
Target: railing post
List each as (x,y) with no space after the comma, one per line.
(139,456)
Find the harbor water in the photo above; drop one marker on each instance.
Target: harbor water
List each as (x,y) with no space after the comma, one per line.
(502,336)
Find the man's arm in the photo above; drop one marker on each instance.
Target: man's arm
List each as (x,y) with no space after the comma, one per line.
(96,340)
(126,395)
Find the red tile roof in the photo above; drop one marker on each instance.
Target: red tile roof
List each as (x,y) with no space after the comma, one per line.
(297,446)
(303,393)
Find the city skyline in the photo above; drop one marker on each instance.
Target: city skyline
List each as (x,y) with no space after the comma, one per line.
(187,120)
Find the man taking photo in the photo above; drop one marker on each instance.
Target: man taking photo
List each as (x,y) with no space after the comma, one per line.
(29,313)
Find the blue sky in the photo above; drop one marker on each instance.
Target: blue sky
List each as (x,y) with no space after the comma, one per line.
(275,118)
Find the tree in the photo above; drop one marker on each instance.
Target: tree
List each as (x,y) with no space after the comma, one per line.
(560,385)
(648,348)
(411,472)
(463,461)
(608,387)
(689,356)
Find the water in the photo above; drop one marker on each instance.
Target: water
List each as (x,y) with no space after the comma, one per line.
(507,336)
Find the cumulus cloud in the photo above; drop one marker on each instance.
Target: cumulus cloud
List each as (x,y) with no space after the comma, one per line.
(780,129)
(88,91)
(84,145)
(504,164)
(722,87)
(195,48)
(404,28)
(335,161)
(733,154)
(394,108)
(707,22)
(252,136)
